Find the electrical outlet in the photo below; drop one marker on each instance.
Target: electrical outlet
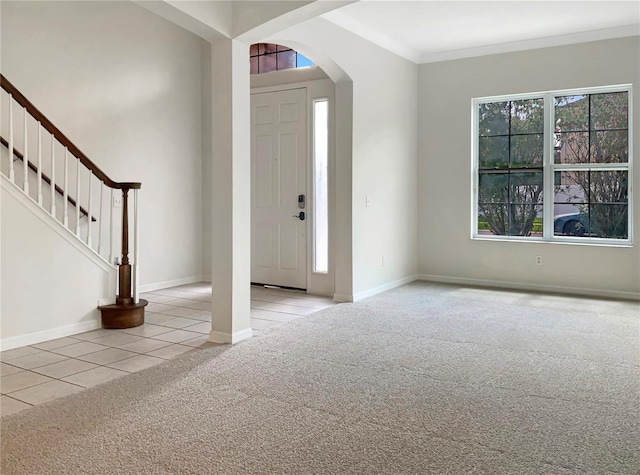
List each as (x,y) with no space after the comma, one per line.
(384,261)
(368,201)
(117,201)
(538,260)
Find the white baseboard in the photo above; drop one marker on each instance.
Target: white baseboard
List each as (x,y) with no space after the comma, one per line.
(46,335)
(170,283)
(616,294)
(383,288)
(232,338)
(342,298)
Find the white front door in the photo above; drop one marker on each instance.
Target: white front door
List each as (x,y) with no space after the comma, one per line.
(279,188)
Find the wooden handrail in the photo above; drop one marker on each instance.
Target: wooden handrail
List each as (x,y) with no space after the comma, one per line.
(52,129)
(46,179)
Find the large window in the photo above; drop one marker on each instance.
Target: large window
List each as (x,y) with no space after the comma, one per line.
(553,166)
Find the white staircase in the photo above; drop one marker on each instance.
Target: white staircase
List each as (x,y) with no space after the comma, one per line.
(63,218)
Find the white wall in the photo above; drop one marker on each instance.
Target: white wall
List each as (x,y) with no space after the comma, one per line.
(446,250)
(383,154)
(125,86)
(36,302)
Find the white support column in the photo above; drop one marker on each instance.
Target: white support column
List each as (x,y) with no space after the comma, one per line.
(343,180)
(25,159)
(136,248)
(39,164)
(12,173)
(231,193)
(53,176)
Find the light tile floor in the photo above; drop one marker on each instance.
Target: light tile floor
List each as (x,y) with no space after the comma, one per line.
(177,321)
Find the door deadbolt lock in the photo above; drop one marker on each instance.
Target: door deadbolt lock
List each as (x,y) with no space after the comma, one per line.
(300,216)
(301,201)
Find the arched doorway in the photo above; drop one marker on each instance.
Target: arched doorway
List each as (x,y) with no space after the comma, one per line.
(292,163)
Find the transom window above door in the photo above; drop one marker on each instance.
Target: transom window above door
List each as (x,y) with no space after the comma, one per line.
(269,57)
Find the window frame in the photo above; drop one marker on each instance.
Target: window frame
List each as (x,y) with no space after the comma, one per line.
(550,167)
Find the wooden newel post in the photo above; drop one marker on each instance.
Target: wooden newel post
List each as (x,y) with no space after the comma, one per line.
(125,313)
(124,271)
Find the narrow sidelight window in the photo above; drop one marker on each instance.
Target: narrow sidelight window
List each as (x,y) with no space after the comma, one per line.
(321,185)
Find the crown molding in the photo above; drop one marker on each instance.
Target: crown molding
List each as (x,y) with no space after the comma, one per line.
(547,42)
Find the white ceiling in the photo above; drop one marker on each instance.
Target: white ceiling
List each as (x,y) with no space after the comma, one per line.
(426,31)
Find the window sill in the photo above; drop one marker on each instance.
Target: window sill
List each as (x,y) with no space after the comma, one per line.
(567,241)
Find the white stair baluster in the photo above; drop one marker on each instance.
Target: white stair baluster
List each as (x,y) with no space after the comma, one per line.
(100,219)
(65,191)
(11,171)
(111,226)
(25,160)
(39,164)
(89,210)
(136,249)
(78,198)
(53,177)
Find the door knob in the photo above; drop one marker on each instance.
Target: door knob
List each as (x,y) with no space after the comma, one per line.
(300,216)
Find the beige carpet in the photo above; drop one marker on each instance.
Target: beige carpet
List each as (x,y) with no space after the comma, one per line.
(422,379)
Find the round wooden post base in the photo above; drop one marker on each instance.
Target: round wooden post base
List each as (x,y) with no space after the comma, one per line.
(123,315)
